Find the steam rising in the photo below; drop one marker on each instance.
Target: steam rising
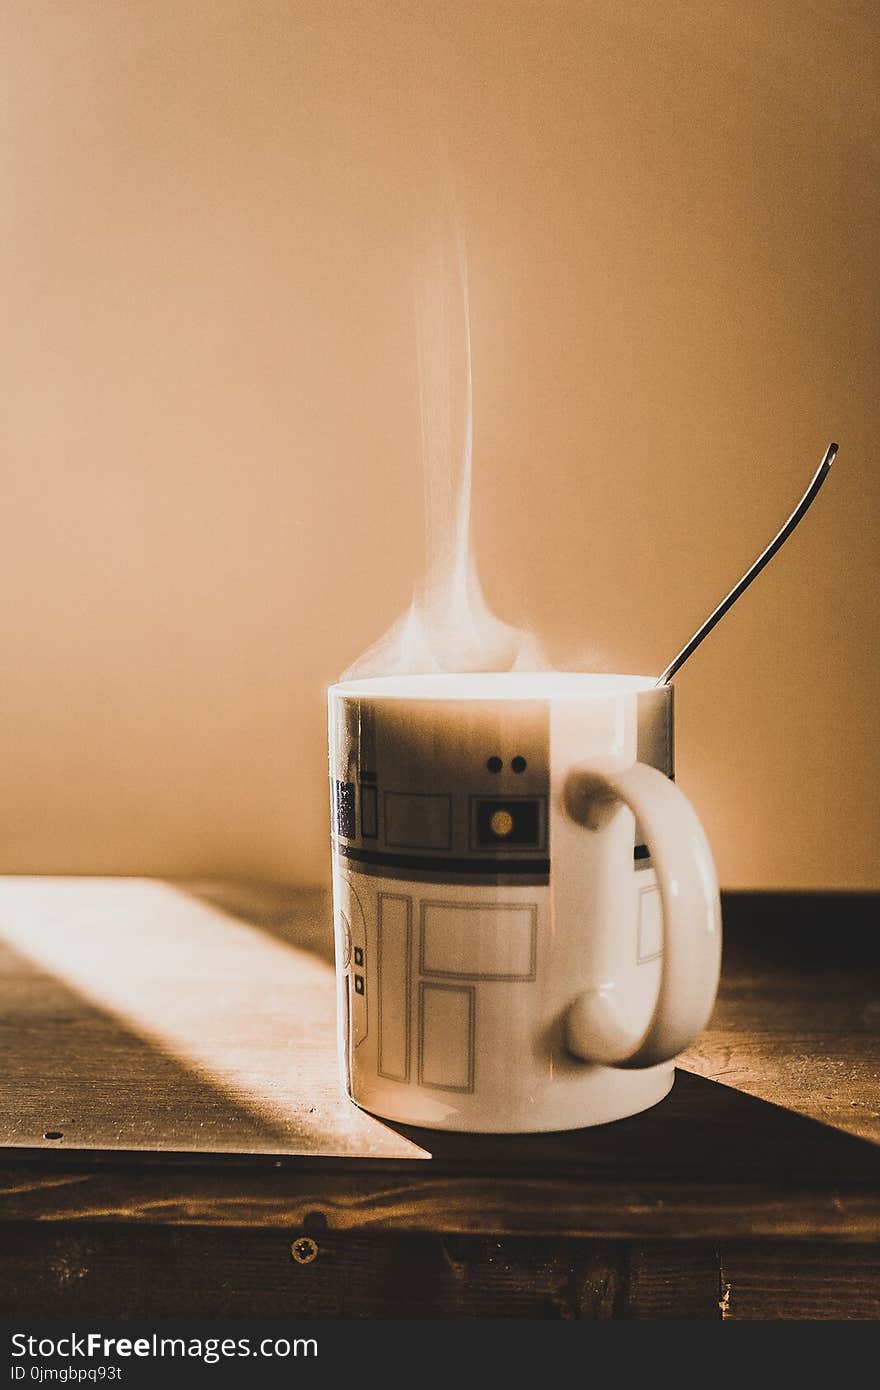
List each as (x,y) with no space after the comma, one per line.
(448,626)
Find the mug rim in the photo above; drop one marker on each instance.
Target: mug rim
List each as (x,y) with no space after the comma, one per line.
(495,685)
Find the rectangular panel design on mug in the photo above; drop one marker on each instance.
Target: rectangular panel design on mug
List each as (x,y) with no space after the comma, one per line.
(650,943)
(418,820)
(369,811)
(447,1036)
(394,938)
(485,941)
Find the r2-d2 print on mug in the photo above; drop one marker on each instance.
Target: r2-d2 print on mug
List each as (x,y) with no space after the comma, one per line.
(526,910)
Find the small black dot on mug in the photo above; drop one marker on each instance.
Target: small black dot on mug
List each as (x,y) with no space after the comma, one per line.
(519,764)
(494,764)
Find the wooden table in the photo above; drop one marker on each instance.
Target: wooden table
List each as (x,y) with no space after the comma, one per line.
(175,1141)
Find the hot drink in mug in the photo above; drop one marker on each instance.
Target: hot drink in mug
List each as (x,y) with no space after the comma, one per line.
(526,909)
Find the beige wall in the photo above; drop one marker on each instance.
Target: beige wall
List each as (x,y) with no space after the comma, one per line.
(211,498)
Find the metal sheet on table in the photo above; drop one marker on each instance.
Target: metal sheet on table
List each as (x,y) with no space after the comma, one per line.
(140,1015)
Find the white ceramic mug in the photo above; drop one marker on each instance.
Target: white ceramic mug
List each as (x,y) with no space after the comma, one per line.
(528,926)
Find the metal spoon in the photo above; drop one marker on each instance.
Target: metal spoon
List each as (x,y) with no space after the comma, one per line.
(766,555)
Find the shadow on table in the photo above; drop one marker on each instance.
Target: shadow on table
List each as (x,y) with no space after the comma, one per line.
(703,1131)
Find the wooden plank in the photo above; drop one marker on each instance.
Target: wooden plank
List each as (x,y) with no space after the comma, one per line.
(83,1269)
(90,1270)
(100,1271)
(809,1280)
(704,1132)
(376,1200)
(673,1279)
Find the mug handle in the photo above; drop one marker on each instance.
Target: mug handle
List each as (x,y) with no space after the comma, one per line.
(596,1027)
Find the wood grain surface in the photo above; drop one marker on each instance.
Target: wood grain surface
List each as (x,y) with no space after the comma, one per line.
(179,1042)
(84,1270)
(80,1269)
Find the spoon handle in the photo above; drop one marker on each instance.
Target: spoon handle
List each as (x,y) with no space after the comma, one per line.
(764,558)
